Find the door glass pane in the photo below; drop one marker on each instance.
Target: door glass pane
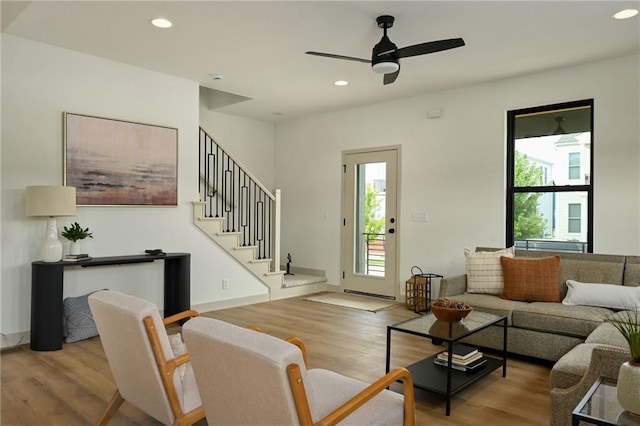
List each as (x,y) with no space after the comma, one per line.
(550,221)
(369,238)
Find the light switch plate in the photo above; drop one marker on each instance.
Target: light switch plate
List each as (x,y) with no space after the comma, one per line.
(419,216)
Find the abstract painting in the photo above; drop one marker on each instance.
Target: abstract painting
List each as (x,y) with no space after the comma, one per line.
(116,162)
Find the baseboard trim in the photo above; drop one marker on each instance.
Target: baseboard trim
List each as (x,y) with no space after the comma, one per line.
(364,293)
(231,303)
(15,340)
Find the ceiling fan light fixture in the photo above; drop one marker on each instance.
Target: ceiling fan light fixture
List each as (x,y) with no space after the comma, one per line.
(385,55)
(386,67)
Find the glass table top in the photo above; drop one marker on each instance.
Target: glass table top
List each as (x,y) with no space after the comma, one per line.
(429,326)
(601,406)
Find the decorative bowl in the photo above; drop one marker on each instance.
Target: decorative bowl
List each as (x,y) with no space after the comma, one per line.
(447,330)
(449,314)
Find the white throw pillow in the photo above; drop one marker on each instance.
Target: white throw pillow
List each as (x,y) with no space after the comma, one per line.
(484,270)
(602,295)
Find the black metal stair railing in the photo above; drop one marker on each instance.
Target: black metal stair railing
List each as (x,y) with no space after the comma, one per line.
(230,192)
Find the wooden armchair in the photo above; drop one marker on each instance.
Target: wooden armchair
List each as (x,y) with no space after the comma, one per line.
(148,371)
(265,380)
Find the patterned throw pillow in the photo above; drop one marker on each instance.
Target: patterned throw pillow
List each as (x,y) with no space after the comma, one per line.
(531,280)
(78,318)
(484,271)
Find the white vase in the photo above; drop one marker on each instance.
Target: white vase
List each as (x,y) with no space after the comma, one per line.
(628,388)
(51,247)
(74,247)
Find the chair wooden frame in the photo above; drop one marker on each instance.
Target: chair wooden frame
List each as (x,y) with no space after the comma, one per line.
(166,368)
(302,403)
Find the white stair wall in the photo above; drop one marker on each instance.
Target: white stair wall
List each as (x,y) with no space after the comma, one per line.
(261,268)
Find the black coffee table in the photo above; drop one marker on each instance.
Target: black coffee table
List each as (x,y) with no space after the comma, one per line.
(445,380)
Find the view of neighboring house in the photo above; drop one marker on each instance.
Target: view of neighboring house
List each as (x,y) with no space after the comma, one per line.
(563,160)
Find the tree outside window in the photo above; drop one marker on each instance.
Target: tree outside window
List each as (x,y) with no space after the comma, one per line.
(528,221)
(373,218)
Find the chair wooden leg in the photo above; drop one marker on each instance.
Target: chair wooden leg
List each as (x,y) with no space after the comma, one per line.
(190,418)
(112,407)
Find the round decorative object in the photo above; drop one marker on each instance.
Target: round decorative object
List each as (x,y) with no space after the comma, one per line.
(628,387)
(447,329)
(449,314)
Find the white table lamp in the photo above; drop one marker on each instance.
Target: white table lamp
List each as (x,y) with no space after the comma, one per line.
(51,202)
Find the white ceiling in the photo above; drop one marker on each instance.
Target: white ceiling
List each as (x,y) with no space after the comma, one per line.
(259,46)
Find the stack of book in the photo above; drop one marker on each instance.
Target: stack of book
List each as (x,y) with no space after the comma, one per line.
(464,358)
(76,257)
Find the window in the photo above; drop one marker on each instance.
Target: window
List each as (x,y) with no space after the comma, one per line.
(574,165)
(549,201)
(574,218)
(380,186)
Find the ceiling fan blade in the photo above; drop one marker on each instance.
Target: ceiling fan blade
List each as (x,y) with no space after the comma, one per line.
(390,78)
(429,47)
(331,55)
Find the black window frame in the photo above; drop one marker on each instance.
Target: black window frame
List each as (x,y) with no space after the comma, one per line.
(510,168)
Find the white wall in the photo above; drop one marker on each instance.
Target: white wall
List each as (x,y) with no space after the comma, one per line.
(453,167)
(39,82)
(250,142)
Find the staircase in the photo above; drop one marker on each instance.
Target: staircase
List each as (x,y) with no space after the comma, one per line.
(243,217)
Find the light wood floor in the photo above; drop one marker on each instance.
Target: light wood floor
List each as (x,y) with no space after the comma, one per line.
(72,386)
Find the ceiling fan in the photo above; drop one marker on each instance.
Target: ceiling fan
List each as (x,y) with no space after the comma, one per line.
(385,57)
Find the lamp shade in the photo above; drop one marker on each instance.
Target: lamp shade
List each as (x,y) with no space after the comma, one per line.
(51,201)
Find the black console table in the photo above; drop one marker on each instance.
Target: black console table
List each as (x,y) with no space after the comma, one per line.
(47,284)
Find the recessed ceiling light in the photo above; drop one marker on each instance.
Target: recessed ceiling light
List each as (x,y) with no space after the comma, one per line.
(341,83)
(625,14)
(161,23)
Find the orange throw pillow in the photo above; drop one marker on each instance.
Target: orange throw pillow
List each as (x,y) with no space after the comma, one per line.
(531,280)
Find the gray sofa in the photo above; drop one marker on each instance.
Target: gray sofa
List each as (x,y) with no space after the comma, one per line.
(566,334)
(542,329)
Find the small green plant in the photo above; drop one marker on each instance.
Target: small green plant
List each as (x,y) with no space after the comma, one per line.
(627,323)
(75,232)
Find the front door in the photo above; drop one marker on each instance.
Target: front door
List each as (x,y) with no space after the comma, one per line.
(370,224)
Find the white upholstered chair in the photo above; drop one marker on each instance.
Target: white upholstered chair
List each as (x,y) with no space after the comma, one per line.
(148,371)
(250,378)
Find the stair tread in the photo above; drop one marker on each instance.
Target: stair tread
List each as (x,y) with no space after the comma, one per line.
(261,267)
(260,260)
